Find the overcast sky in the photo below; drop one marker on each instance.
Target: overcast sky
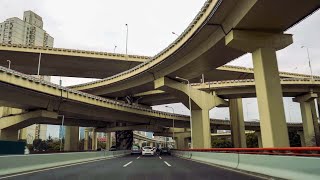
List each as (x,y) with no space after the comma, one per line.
(100,26)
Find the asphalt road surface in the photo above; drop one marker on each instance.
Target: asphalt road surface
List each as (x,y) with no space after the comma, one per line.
(135,168)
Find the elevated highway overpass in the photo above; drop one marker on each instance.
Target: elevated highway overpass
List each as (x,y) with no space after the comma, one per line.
(201,47)
(44,101)
(94,64)
(67,62)
(222,31)
(291,87)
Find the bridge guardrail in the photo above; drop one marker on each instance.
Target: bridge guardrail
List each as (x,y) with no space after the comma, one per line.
(287,163)
(23,163)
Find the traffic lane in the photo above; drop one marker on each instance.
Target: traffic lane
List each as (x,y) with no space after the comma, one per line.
(91,170)
(170,167)
(138,167)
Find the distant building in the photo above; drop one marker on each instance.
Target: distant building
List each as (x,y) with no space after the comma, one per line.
(28,31)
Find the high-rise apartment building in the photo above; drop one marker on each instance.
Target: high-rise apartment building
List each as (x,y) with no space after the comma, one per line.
(28,31)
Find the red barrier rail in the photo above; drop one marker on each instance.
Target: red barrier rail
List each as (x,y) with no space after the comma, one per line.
(288,151)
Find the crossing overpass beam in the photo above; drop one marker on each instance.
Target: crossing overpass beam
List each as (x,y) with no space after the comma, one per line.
(306,104)
(201,103)
(237,123)
(71,142)
(263,47)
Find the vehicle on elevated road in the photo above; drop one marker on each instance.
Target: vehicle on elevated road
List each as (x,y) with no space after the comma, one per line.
(147,150)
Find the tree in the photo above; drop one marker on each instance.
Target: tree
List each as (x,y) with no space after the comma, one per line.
(294,139)
(252,140)
(221,143)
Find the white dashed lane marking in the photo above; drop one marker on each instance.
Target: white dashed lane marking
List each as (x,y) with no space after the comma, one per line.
(127,164)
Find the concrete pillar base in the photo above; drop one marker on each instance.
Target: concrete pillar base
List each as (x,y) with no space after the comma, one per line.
(201,132)
(237,123)
(71,142)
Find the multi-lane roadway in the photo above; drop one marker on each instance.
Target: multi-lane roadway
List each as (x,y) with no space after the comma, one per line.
(135,167)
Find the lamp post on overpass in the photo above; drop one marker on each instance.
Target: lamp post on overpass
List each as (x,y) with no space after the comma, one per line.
(175,34)
(127,39)
(61,130)
(189,105)
(309,61)
(114,50)
(9,63)
(39,63)
(172,124)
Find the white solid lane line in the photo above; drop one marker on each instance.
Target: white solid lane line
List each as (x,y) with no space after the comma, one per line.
(160,157)
(127,164)
(167,163)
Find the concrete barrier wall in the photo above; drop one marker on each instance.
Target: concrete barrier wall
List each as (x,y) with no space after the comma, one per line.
(22,163)
(287,167)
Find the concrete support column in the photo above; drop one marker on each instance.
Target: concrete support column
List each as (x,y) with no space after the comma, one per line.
(315,123)
(258,134)
(108,140)
(86,139)
(8,135)
(23,133)
(302,139)
(307,123)
(201,132)
(269,93)
(306,105)
(237,123)
(94,140)
(180,142)
(201,103)
(151,144)
(263,47)
(71,141)
(140,143)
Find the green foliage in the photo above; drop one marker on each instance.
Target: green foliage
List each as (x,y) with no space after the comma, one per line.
(294,139)
(252,140)
(101,145)
(221,143)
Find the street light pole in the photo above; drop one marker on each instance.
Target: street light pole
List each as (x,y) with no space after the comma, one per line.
(39,63)
(309,61)
(172,124)
(175,34)
(189,106)
(114,50)
(127,39)
(9,63)
(61,130)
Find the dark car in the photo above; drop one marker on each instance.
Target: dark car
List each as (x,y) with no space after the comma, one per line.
(113,148)
(135,150)
(165,150)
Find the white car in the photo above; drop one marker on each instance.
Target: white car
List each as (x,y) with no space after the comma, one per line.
(147,150)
